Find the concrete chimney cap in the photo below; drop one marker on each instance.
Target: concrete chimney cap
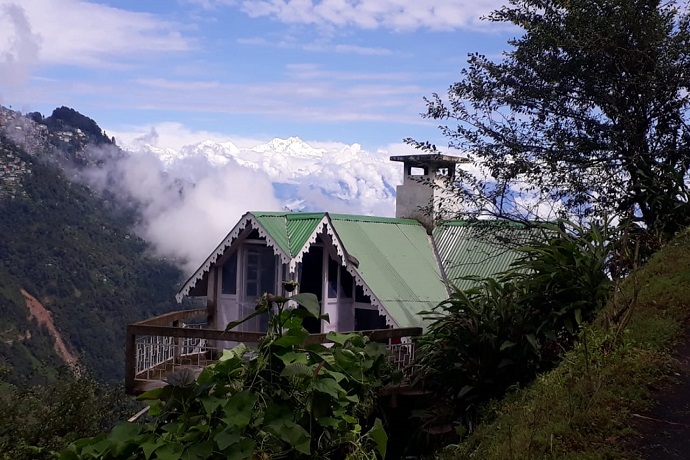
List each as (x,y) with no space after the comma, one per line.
(426,160)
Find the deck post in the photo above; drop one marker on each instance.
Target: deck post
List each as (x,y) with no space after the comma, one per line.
(177,350)
(130,360)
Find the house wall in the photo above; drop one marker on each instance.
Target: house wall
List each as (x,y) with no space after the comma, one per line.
(324,276)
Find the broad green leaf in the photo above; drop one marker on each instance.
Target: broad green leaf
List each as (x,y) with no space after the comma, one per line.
(124,432)
(339,338)
(292,338)
(297,370)
(211,403)
(151,394)
(328,386)
(327,422)
(98,450)
(243,449)
(293,434)
(172,427)
(169,451)
(227,438)
(278,411)
(199,450)
(235,352)
(309,301)
(289,357)
(379,436)
(150,446)
(352,398)
(338,376)
(238,410)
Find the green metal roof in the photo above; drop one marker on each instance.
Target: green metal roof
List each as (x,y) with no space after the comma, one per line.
(480,249)
(396,261)
(396,258)
(290,230)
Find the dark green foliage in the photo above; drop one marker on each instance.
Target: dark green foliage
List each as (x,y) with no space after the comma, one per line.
(65,117)
(38,420)
(287,399)
(79,258)
(589,106)
(504,331)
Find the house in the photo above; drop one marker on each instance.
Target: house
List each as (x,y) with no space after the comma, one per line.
(369,273)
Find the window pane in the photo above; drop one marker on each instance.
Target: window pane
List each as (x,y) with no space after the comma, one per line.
(332,278)
(267,270)
(346,283)
(230,275)
(260,270)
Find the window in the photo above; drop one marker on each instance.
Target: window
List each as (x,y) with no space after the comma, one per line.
(260,270)
(360,297)
(332,278)
(346,283)
(229,276)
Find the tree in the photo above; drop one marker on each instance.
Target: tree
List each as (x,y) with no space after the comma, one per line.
(589,110)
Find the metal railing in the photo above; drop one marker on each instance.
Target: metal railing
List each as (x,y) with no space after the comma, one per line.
(159,346)
(157,355)
(401,356)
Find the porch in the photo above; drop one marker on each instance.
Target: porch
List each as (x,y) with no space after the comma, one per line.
(160,346)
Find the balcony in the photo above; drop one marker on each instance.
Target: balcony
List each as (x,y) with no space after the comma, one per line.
(160,346)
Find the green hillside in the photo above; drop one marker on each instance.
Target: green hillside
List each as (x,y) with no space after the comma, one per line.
(584,408)
(77,255)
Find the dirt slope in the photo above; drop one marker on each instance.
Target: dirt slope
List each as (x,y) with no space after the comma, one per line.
(43,317)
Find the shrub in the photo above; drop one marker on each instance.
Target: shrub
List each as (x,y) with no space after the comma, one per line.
(503,331)
(286,399)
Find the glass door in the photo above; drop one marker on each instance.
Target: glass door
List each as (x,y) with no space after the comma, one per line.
(259,278)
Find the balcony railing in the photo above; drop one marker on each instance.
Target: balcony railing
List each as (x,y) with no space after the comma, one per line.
(162,345)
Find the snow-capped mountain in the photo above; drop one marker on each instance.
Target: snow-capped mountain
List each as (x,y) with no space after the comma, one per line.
(346,177)
(191,197)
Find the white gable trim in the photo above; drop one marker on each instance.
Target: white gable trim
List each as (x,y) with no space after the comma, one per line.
(246,219)
(307,244)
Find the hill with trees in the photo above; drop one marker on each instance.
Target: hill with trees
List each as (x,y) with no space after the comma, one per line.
(71,250)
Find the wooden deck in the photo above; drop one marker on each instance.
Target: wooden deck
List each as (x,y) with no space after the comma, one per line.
(166,344)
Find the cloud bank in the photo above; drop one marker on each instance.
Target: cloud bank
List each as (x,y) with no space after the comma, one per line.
(20,46)
(191,196)
(81,33)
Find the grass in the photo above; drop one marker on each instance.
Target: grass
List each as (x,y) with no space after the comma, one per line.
(582,409)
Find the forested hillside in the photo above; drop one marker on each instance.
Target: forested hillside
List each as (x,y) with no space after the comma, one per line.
(75,253)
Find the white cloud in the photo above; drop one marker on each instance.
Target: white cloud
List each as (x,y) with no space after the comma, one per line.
(174,135)
(77,32)
(306,96)
(318,47)
(399,15)
(181,220)
(19,52)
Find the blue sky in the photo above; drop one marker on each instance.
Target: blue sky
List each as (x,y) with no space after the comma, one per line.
(349,71)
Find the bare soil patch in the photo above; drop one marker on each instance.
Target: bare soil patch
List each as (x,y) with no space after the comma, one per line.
(44,318)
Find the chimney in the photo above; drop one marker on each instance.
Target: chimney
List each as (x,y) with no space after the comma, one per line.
(422,193)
